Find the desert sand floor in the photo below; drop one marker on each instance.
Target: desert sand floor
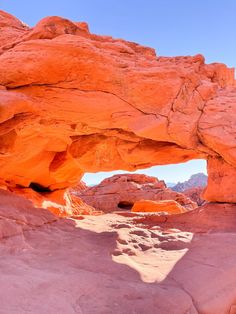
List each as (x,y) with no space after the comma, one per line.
(121,263)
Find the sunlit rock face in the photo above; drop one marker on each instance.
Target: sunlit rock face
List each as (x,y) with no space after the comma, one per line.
(168,207)
(121,192)
(72,102)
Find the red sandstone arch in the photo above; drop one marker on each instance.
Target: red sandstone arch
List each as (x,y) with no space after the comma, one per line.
(72,102)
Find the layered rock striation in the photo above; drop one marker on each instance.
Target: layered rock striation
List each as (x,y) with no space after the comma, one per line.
(73,102)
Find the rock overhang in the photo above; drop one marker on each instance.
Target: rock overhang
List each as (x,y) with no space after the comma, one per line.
(73,102)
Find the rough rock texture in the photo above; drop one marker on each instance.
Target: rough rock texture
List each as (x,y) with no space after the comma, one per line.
(61,203)
(18,214)
(73,102)
(109,264)
(167,206)
(221,181)
(122,191)
(195,194)
(205,219)
(196,180)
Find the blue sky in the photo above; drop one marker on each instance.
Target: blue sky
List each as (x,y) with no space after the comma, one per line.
(172,27)
(169,173)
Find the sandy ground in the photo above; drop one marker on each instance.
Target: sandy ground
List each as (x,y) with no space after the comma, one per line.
(120,263)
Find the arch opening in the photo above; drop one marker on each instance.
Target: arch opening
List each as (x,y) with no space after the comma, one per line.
(171,174)
(121,190)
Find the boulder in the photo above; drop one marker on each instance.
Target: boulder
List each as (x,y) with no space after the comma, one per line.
(167,206)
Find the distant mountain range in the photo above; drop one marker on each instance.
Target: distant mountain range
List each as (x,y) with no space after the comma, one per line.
(198,179)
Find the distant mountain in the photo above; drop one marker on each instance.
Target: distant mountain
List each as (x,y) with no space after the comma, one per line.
(198,179)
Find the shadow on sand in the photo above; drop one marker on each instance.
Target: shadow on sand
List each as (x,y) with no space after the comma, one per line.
(63,268)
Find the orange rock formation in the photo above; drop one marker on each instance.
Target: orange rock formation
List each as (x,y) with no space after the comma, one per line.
(61,203)
(167,206)
(122,191)
(72,102)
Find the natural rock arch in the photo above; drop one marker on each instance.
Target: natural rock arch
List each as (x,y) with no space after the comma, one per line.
(72,102)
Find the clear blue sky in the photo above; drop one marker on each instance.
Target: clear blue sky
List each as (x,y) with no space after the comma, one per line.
(169,173)
(172,27)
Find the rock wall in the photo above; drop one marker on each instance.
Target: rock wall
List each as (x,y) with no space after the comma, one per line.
(74,102)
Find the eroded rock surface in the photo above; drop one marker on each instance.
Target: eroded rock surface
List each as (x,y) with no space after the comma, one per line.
(195,194)
(18,214)
(120,192)
(126,263)
(61,203)
(72,102)
(167,207)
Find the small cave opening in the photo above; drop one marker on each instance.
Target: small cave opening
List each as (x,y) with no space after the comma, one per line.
(125,205)
(39,188)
